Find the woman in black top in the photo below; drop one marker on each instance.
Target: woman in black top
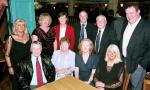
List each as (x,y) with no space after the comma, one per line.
(17,48)
(109,72)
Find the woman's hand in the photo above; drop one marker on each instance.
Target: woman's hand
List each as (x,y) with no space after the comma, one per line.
(11,70)
(99,84)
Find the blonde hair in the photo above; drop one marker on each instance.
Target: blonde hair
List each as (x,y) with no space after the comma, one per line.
(43,16)
(115,49)
(90,43)
(18,21)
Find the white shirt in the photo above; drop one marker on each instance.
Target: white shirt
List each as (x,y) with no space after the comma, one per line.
(62,32)
(85,24)
(34,77)
(67,62)
(127,35)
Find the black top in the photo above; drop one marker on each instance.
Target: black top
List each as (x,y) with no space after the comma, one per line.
(85,69)
(47,39)
(19,51)
(111,77)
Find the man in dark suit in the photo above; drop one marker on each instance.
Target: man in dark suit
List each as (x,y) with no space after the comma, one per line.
(83,29)
(135,45)
(104,36)
(35,72)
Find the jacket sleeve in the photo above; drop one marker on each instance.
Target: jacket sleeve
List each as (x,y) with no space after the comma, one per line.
(144,62)
(22,81)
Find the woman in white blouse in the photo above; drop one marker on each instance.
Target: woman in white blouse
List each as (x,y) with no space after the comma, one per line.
(63,59)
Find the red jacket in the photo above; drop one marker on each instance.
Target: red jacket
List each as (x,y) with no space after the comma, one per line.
(69,34)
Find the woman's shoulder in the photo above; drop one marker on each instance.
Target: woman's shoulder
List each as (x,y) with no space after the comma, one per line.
(72,52)
(94,56)
(56,52)
(120,64)
(78,56)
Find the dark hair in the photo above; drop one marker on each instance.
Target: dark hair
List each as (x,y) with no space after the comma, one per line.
(37,42)
(135,5)
(62,14)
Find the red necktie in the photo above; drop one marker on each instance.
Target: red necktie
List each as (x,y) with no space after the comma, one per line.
(39,74)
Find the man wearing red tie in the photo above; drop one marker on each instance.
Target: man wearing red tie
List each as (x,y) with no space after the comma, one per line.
(37,71)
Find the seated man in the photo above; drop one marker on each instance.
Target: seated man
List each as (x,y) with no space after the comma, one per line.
(37,71)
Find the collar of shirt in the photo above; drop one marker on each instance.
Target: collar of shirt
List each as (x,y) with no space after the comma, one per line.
(84,24)
(34,76)
(135,24)
(102,30)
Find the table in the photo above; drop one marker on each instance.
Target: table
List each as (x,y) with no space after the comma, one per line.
(146,84)
(67,83)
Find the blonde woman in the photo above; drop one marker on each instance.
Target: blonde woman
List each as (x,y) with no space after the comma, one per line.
(85,61)
(46,35)
(17,48)
(109,72)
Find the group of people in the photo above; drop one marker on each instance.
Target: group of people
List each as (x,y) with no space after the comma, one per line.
(91,54)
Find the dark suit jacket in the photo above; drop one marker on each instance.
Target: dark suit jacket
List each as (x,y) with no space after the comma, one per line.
(138,49)
(90,29)
(69,34)
(109,37)
(25,72)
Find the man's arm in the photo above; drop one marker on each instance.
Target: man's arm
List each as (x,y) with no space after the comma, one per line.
(21,78)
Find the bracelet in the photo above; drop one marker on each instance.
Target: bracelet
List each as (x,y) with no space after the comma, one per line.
(9,66)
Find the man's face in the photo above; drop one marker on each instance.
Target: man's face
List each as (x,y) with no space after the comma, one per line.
(132,14)
(101,22)
(36,50)
(83,17)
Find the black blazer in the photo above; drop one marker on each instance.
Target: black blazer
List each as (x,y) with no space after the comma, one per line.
(138,49)
(109,37)
(90,29)
(25,72)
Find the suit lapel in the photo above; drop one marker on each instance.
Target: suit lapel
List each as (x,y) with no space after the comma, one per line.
(87,29)
(104,37)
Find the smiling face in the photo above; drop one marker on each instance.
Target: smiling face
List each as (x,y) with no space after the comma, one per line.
(20,26)
(62,19)
(101,22)
(132,14)
(36,50)
(85,47)
(83,17)
(111,54)
(44,22)
(64,47)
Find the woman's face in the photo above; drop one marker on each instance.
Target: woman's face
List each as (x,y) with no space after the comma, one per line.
(111,54)
(64,46)
(62,20)
(44,22)
(85,47)
(20,27)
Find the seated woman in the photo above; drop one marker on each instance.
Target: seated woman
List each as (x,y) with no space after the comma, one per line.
(109,72)
(85,62)
(63,59)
